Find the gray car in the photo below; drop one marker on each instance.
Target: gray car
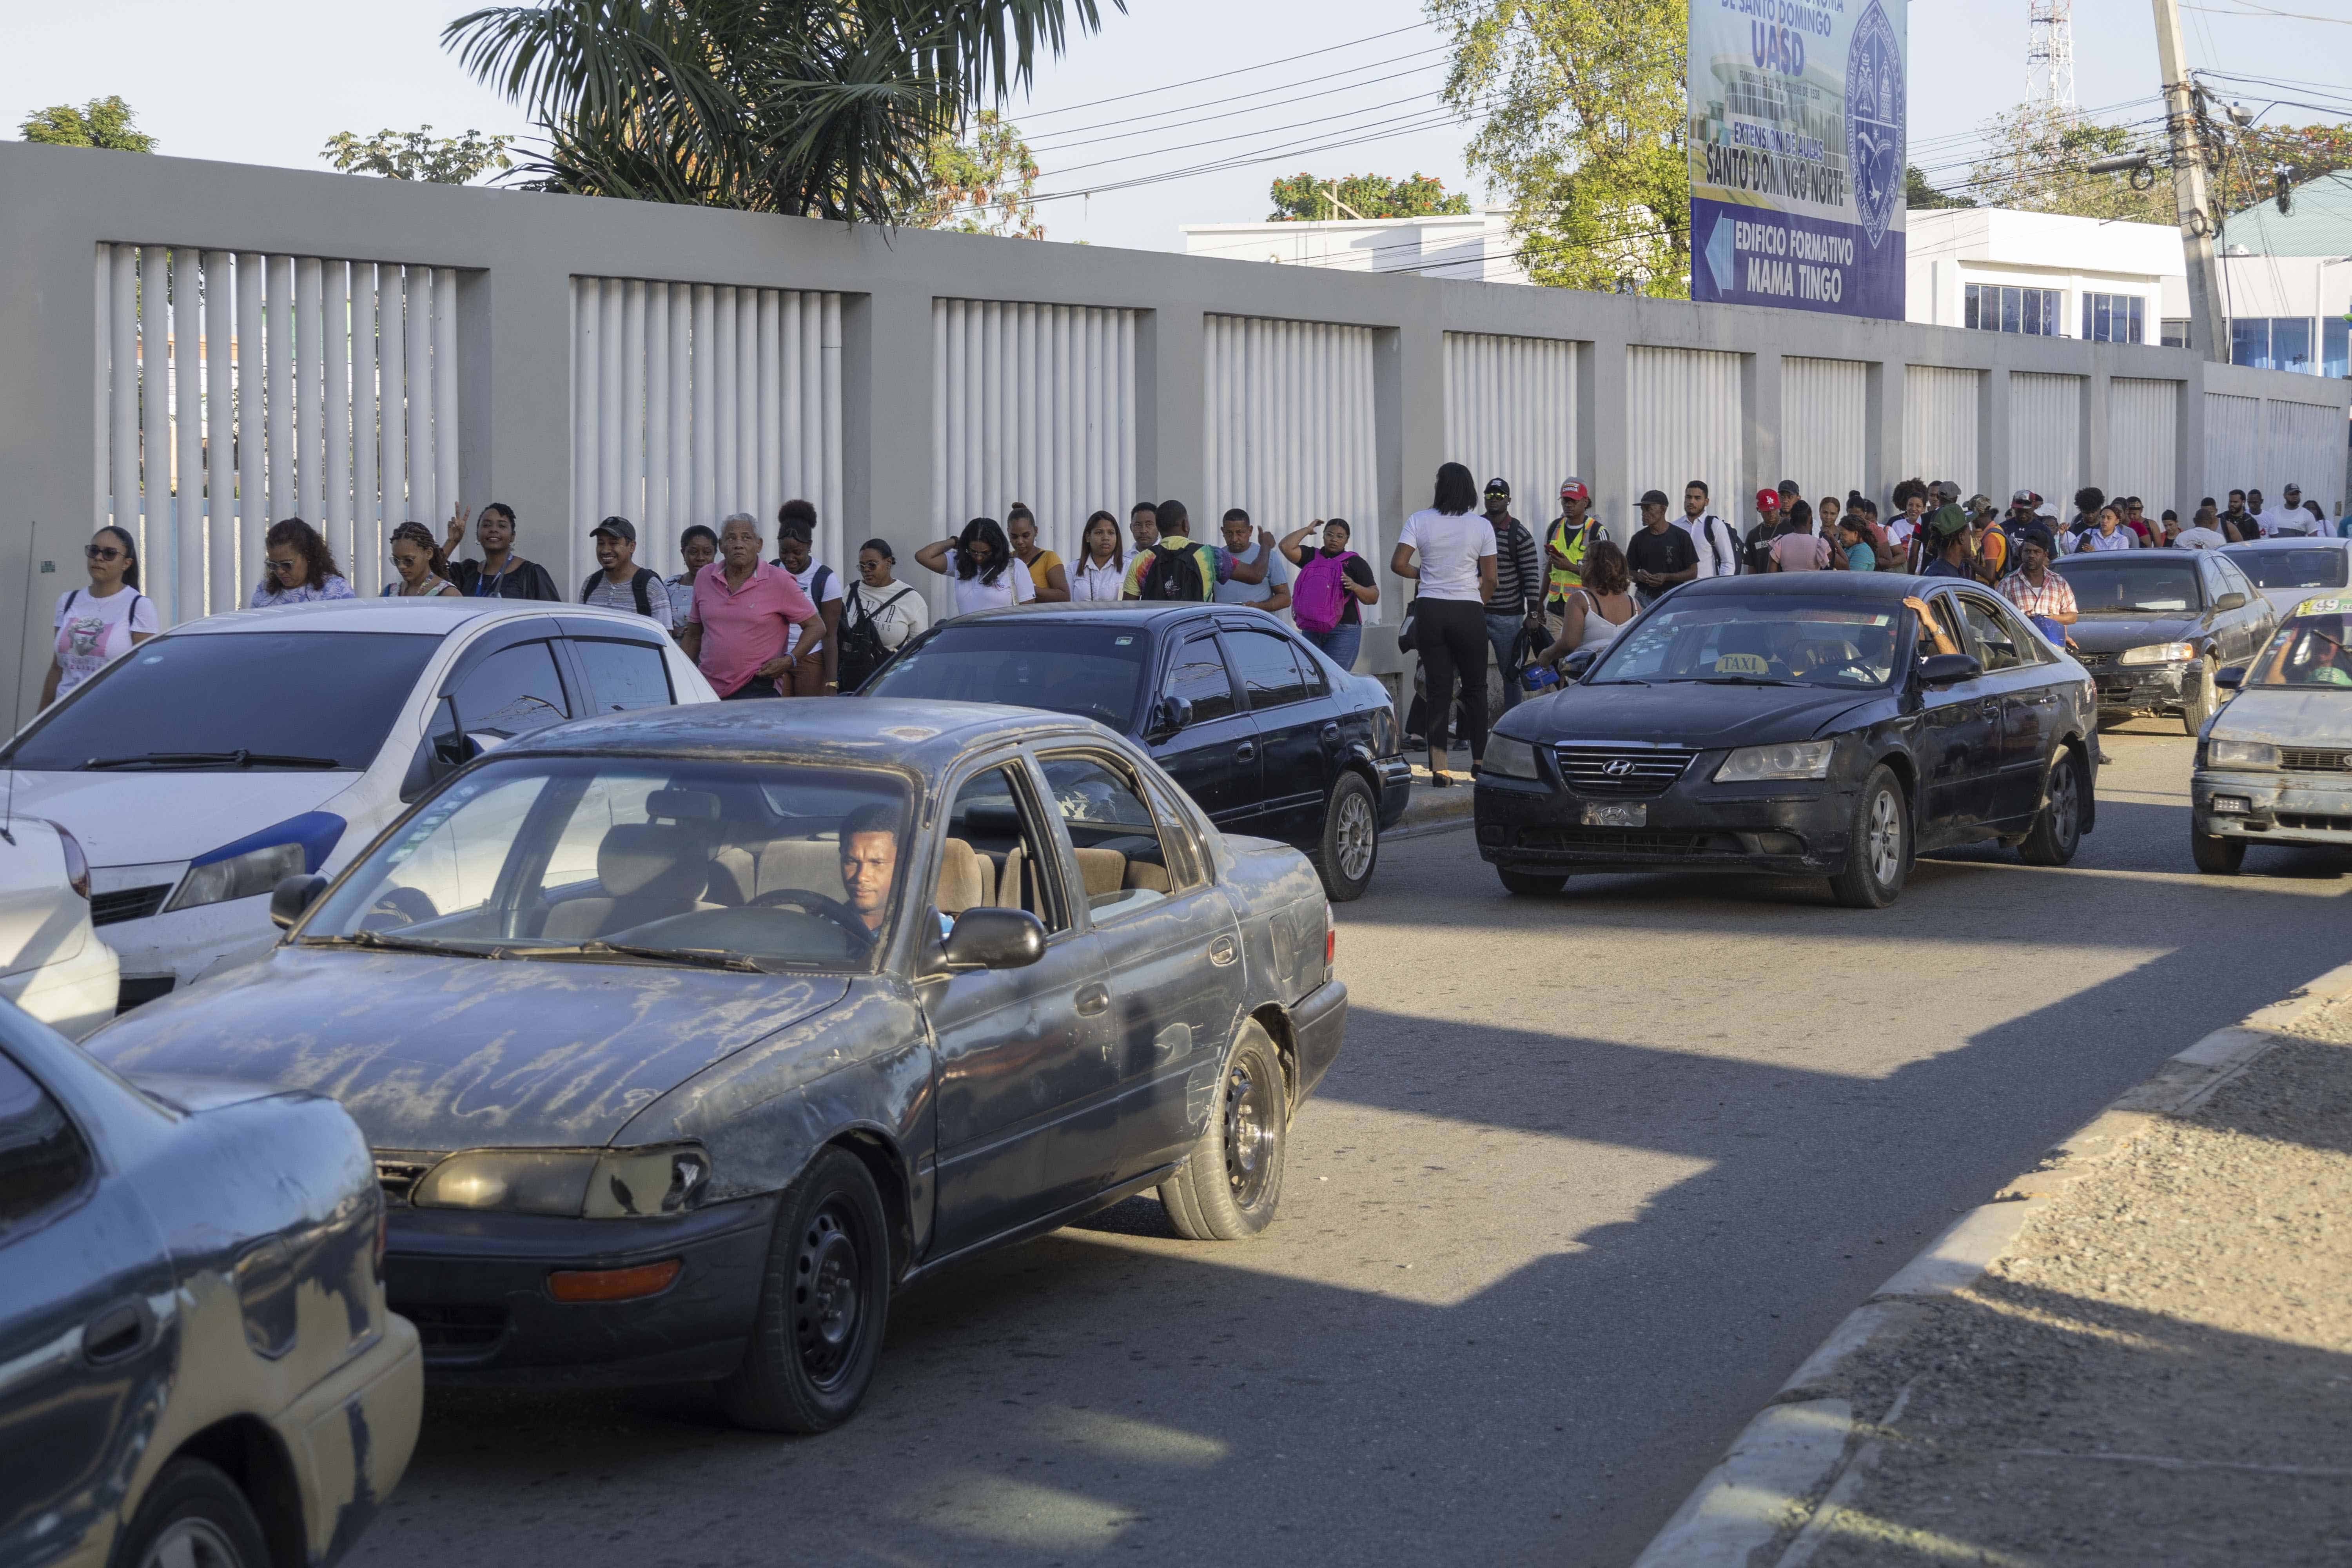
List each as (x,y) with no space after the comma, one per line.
(2289,570)
(685,1037)
(2157,625)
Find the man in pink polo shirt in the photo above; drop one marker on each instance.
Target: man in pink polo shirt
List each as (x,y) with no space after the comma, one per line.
(736,629)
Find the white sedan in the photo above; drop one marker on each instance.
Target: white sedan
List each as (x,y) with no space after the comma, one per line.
(52,964)
(203,766)
(2290,570)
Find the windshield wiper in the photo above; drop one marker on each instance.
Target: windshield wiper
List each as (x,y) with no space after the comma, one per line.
(1742,681)
(376,939)
(237,759)
(700,957)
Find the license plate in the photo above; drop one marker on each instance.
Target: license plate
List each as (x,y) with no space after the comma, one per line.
(1635,816)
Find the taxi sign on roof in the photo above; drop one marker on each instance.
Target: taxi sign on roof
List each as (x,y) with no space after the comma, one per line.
(2323,605)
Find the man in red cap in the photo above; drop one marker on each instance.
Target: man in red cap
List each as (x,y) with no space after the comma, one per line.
(1571,533)
(1768,523)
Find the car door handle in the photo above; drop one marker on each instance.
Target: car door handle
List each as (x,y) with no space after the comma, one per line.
(1246,752)
(1222,952)
(1093,998)
(116,1334)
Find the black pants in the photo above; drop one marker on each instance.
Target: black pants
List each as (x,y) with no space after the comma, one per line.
(1450,635)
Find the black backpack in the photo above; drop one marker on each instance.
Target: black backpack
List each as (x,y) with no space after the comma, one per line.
(859,649)
(637,585)
(1172,574)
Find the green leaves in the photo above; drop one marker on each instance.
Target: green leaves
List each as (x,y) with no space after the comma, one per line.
(418,155)
(1305,198)
(100,122)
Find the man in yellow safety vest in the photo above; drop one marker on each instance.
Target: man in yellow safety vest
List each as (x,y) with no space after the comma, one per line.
(1571,533)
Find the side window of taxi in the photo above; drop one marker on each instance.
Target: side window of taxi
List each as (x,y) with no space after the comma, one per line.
(1123,861)
(43,1161)
(1996,645)
(997,854)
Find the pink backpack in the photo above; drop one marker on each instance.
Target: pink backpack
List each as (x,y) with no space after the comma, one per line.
(1319,596)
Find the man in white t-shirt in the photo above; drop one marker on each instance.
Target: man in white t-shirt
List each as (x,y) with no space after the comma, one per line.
(2287,520)
(1717,541)
(622,584)
(2203,532)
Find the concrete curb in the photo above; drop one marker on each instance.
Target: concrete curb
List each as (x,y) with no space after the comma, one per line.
(1435,811)
(1787,1460)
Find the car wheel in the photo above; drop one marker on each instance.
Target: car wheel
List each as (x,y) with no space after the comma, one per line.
(193,1516)
(824,1296)
(1878,849)
(2057,830)
(2206,698)
(1229,1186)
(1531,884)
(1351,839)
(2216,856)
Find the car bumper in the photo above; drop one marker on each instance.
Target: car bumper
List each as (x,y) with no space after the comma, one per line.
(2281,808)
(350,1438)
(476,1284)
(2143,688)
(72,997)
(165,953)
(1317,1023)
(1396,789)
(1795,828)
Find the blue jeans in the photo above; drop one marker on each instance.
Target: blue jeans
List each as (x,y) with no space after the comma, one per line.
(1339,643)
(1502,633)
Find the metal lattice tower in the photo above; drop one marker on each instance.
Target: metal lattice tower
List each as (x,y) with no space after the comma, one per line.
(2050,54)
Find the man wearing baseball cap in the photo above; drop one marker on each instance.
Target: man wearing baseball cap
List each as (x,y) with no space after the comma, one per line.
(1571,533)
(1515,618)
(1660,555)
(623,584)
(1760,538)
(2287,518)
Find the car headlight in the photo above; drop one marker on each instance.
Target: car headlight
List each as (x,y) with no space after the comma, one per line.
(1508,758)
(608,1184)
(2157,653)
(2227,754)
(1792,760)
(255,864)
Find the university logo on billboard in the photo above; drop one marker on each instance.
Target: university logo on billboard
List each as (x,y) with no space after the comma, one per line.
(1797,155)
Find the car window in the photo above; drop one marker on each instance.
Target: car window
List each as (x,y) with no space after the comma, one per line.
(2116,583)
(1198,676)
(1188,862)
(2316,568)
(1996,645)
(1774,639)
(513,693)
(1937,631)
(1269,674)
(624,675)
(1121,859)
(43,1161)
(1310,671)
(997,853)
(333,696)
(1092,669)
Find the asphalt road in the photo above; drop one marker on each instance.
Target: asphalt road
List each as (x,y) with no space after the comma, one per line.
(1591,1176)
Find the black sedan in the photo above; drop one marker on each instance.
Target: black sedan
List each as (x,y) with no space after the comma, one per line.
(1817,724)
(1266,733)
(2157,624)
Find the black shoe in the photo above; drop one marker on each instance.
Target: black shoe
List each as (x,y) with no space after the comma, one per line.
(2105,761)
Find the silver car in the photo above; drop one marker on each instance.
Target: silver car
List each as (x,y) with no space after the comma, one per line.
(2288,571)
(2274,765)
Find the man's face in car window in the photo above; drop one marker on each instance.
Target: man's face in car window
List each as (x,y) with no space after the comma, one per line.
(869,861)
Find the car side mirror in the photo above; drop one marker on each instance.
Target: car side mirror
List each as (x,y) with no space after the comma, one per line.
(292,897)
(994,939)
(1943,669)
(1573,666)
(1173,713)
(2224,675)
(2230,601)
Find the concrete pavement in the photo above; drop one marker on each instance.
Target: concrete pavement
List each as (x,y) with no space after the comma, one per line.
(1594,1174)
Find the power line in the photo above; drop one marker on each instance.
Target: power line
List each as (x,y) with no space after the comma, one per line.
(1266,91)
(1220,76)
(1261,131)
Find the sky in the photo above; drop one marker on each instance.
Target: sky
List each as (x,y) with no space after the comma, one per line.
(268,82)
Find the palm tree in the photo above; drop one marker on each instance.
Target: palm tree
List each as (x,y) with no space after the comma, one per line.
(814,108)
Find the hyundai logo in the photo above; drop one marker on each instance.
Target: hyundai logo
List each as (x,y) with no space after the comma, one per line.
(1617,767)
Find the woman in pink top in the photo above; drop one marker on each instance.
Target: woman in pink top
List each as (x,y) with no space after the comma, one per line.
(1797,548)
(737,629)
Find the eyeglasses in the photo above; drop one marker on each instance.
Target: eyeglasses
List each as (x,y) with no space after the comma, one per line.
(101,552)
(286,566)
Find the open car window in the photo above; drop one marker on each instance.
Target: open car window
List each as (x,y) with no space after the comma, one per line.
(2308,652)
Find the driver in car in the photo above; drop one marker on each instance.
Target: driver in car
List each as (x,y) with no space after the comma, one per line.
(869,862)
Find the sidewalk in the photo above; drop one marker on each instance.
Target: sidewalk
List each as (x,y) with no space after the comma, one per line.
(2142,1354)
(1434,810)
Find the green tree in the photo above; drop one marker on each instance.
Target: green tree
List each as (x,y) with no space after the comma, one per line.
(2034,161)
(418,154)
(825,111)
(100,122)
(1921,196)
(986,184)
(1584,112)
(1304,197)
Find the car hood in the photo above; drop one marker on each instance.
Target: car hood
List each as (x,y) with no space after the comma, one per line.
(2287,718)
(458,1053)
(142,819)
(1688,712)
(2113,633)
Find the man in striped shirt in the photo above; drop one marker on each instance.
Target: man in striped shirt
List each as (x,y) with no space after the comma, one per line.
(1518,605)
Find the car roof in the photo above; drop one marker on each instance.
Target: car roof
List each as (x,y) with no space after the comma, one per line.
(2292,542)
(435,617)
(1869,587)
(926,736)
(1121,612)
(2138,559)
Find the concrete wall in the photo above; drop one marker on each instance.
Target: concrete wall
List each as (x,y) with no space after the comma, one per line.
(516,255)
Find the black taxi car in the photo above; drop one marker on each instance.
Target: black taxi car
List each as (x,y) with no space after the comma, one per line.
(1814,724)
(1269,736)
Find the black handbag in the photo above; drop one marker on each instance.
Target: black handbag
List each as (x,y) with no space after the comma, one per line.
(1404,628)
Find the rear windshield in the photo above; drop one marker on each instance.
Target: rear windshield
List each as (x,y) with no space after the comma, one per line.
(2103,585)
(1094,670)
(2292,568)
(280,702)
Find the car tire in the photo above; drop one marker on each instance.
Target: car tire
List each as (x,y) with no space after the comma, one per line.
(2199,706)
(825,1295)
(1878,848)
(193,1513)
(1531,884)
(1351,846)
(2057,830)
(2216,856)
(1228,1188)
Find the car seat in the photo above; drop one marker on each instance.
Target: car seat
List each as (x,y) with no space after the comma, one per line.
(647,871)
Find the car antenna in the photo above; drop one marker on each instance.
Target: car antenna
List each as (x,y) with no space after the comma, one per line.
(16,714)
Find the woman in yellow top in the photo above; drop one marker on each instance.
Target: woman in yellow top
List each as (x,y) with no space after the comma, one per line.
(1045,569)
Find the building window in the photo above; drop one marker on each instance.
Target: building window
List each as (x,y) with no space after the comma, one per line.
(2273,343)
(2334,358)
(2115,318)
(2001,308)
(2175,331)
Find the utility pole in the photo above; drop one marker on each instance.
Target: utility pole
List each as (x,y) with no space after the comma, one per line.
(2207,333)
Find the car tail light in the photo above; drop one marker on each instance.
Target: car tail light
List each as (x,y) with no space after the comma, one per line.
(1330,938)
(76,863)
(614,1284)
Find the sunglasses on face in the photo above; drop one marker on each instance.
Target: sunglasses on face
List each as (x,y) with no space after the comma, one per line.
(101,552)
(286,566)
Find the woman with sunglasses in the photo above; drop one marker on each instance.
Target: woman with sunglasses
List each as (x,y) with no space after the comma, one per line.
(416,559)
(297,568)
(109,618)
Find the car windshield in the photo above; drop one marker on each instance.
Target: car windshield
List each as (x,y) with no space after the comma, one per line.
(2292,568)
(2105,585)
(263,701)
(2306,652)
(1092,669)
(627,859)
(1764,640)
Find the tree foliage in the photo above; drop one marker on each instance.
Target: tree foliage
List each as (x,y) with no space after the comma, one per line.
(827,111)
(100,122)
(1584,112)
(983,184)
(1919,196)
(418,154)
(1304,197)
(2034,163)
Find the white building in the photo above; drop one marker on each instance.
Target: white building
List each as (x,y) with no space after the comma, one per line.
(1477,247)
(2043,274)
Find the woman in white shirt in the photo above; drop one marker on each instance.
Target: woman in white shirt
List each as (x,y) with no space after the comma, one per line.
(1456,569)
(891,610)
(98,623)
(2110,534)
(1101,567)
(978,566)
